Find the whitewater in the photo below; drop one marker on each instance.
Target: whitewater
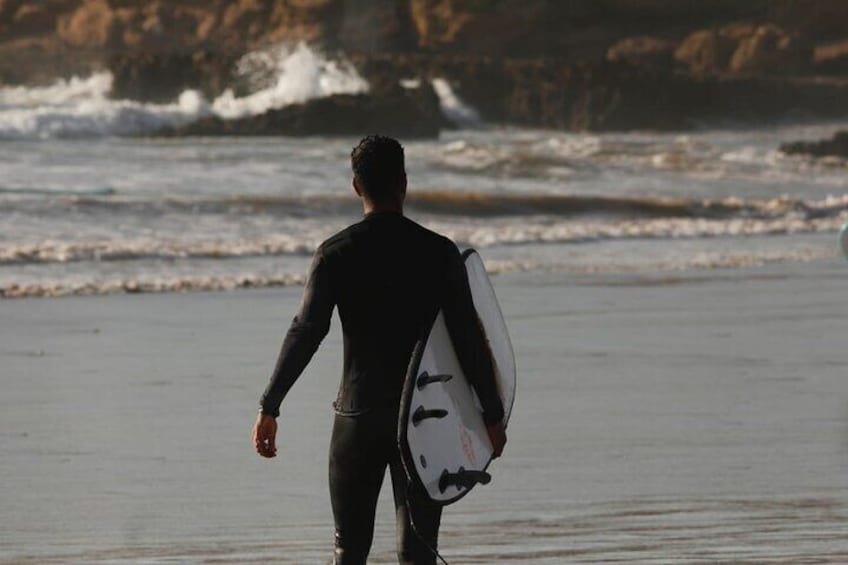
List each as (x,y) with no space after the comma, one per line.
(86,207)
(81,107)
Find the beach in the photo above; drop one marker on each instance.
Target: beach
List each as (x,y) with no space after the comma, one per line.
(694,416)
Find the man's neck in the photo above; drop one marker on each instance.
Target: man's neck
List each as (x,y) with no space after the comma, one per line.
(372,208)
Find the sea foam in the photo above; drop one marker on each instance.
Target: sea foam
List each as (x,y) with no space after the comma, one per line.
(453,107)
(295,226)
(81,107)
(299,75)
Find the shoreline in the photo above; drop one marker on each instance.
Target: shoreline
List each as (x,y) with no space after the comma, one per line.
(703,264)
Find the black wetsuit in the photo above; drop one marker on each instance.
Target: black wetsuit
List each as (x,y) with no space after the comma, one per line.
(388,276)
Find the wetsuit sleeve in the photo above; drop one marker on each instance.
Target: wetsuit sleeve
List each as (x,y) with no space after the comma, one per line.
(469,338)
(307,329)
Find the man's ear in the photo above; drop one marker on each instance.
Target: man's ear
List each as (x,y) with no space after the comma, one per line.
(356,188)
(403,185)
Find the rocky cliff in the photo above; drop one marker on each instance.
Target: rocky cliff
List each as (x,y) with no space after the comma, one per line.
(600,64)
(579,30)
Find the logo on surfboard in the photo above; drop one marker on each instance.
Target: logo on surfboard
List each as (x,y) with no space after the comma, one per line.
(467,445)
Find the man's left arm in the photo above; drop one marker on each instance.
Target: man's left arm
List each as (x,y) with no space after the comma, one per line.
(305,334)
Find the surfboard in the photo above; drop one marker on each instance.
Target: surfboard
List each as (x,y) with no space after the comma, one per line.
(441,434)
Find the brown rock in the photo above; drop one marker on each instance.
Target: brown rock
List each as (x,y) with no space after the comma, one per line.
(313,21)
(745,48)
(738,31)
(438,22)
(643,51)
(246,19)
(90,26)
(41,61)
(706,51)
(241,13)
(566,29)
(163,27)
(837,146)
(162,77)
(832,58)
(375,27)
(771,50)
(825,20)
(31,18)
(549,93)
(206,24)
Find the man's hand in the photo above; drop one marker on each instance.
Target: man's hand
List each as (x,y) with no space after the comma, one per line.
(497,435)
(264,435)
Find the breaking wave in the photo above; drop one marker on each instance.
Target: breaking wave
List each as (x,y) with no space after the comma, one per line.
(453,107)
(52,251)
(472,218)
(78,108)
(164,283)
(296,75)
(651,229)
(440,203)
(146,285)
(81,107)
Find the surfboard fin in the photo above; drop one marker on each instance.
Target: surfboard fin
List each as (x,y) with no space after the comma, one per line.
(463,479)
(422,414)
(425,378)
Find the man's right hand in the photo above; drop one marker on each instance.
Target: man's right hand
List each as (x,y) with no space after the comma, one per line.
(264,435)
(497,435)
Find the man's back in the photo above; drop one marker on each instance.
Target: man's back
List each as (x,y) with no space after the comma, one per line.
(389,278)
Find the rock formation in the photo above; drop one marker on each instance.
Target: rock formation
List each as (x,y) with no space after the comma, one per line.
(746,49)
(643,51)
(403,112)
(557,94)
(705,52)
(832,58)
(611,64)
(162,77)
(837,146)
(771,50)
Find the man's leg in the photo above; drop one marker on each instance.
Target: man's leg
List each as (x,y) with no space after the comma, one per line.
(418,519)
(357,466)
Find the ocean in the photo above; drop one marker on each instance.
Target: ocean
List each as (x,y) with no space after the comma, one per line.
(90,206)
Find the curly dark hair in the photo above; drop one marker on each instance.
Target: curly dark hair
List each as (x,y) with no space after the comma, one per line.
(379,168)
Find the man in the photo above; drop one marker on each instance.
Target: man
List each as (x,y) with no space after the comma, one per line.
(388,276)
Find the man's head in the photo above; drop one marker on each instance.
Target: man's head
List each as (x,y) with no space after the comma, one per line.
(379,174)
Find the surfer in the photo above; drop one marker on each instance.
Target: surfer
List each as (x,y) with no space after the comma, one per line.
(387,276)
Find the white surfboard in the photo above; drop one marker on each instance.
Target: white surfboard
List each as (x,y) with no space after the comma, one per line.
(441,433)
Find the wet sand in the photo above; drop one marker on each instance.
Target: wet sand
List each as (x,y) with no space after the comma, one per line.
(695,417)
